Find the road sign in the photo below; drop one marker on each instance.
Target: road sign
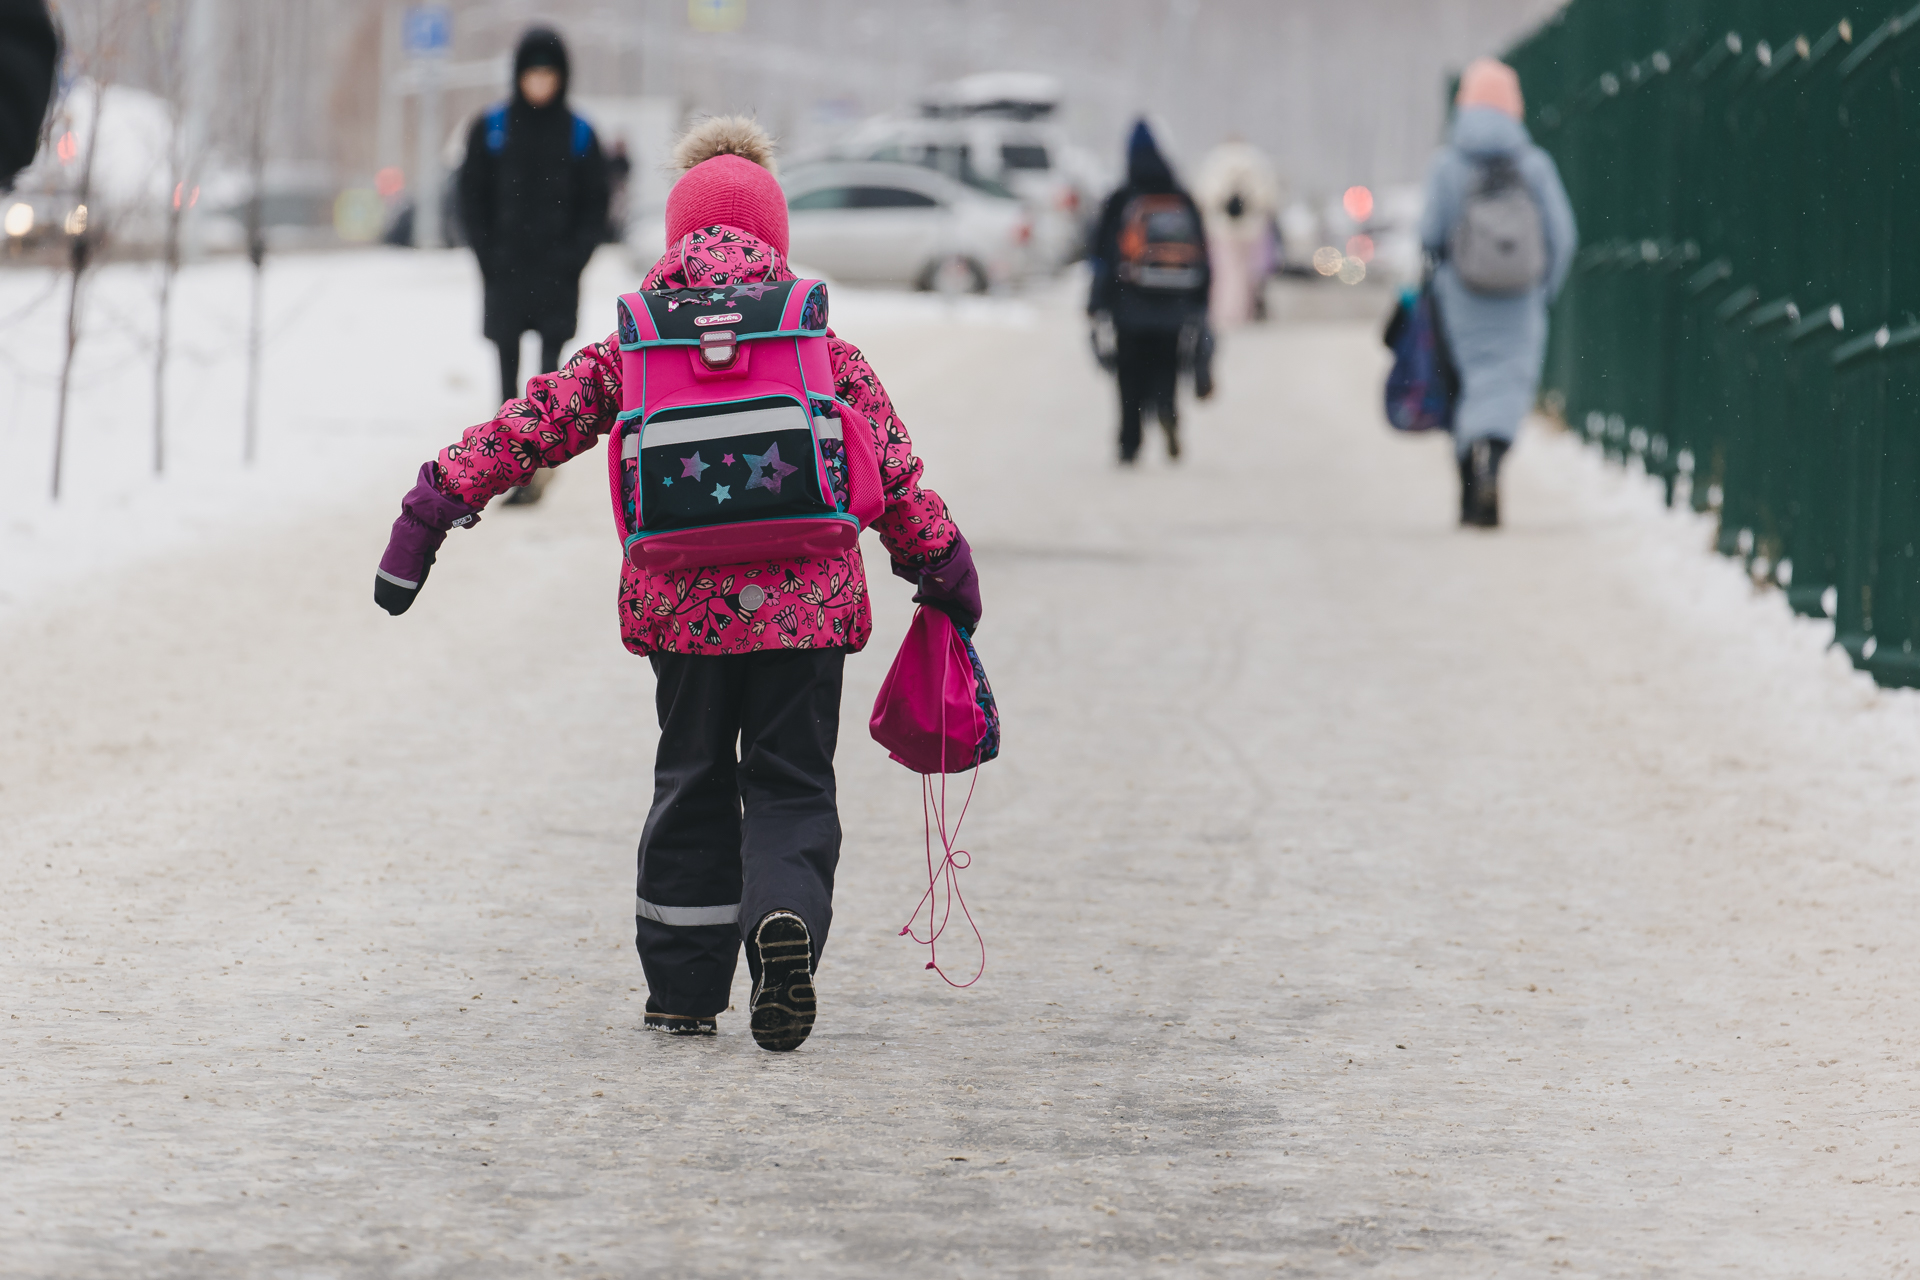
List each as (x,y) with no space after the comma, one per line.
(426,30)
(716,15)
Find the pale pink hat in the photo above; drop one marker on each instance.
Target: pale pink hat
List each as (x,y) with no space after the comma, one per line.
(1488,82)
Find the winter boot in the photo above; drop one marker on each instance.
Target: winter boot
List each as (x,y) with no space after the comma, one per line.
(678,1024)
(1486,462)
(1469,501)
(1483,465)
(783,997)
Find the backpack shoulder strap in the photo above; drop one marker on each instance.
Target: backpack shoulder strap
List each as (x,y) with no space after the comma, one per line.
(582,136)
(497,129)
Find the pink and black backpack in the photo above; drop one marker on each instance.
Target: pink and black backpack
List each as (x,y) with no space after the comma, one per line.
(731,445)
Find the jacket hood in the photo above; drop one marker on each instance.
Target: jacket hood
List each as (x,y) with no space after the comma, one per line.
(1485,131)
(1147,169)
(717,255)
(541,47)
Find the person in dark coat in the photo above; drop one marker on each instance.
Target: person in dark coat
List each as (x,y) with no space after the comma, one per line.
(29,48)
(1151,279)
(533,198)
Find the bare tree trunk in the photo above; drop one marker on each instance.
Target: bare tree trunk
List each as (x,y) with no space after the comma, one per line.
(257,47)
(170,264)
(66,362)
(170,34)
(79,254)
(257,252)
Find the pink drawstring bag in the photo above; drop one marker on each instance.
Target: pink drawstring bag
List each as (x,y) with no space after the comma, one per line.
(936,715)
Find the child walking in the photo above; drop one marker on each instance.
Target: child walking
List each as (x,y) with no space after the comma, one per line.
(744,834)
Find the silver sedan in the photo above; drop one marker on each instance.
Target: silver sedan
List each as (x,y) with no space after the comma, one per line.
(878,222)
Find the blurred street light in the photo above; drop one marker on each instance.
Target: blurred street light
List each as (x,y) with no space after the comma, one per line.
(19,219)
(1358,202)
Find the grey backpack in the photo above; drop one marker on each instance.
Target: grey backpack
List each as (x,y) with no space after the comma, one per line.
(1499,245)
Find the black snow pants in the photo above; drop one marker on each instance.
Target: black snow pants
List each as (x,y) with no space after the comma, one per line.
(734,836)
(550,345)
(1148,365)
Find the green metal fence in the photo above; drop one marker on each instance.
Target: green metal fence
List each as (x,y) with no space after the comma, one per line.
(1744,316)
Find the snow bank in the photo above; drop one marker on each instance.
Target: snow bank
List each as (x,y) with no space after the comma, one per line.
(373,360)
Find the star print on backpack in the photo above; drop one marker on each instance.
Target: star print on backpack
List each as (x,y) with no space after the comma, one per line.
(768,470)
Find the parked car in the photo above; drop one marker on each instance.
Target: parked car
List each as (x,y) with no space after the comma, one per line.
(992,131)
(873,222)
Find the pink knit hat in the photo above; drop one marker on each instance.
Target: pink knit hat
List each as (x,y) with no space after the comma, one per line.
(728,179)
(1490,83)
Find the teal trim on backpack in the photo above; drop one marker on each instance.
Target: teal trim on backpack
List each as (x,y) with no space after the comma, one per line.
(654,533)
(738,337)
(628,415)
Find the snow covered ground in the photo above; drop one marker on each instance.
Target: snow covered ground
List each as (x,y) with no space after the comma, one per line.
(370,359)
(1362,895)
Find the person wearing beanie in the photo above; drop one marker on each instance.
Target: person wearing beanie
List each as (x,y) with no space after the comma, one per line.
(743,838)
(1151,285)
(1497,336)
(534,195)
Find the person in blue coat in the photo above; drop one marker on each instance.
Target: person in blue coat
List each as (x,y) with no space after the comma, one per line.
(1498,341)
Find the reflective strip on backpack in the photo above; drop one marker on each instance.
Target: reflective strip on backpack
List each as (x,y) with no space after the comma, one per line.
(827,428)
(789,417)
(685,916)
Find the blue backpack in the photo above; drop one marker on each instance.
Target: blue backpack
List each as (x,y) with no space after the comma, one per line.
(1423,384)
(497,132)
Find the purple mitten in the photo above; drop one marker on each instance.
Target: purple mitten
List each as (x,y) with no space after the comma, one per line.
(425,516)
(949,584)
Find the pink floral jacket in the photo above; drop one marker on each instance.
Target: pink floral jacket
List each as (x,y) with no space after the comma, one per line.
(814,603)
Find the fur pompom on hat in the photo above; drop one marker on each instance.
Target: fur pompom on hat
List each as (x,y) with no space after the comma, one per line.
(726,177)
(725,136)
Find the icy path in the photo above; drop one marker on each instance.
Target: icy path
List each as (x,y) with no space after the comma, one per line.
(1364,896)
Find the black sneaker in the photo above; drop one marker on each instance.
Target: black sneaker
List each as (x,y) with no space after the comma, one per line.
(783,997)
(678,1024)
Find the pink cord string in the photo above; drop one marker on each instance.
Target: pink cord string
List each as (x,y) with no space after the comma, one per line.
(943,880)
